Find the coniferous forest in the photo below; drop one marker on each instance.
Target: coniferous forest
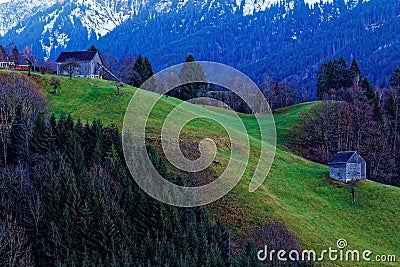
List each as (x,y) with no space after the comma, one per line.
(67,198)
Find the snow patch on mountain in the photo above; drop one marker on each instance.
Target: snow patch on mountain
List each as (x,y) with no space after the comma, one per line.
(98,18)
(12,12)
(163,6)
(101,17)
(50,35)
(253,6)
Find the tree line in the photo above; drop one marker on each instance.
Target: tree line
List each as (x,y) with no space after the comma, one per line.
(137,70)
(26,56)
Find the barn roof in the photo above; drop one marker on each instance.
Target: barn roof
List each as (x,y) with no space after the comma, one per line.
(77,56)
(342,157)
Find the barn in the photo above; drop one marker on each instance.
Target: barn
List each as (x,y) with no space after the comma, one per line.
(86,64)
(348,166)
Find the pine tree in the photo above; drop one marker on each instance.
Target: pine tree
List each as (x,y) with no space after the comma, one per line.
(59,132)
(249,257)
(369,92)
(322,81)
(367,88)
(70,219)
(42,142)
(93,49)
(75,153)
(15,55)
(92,138)
(53,123)
(18,150)
(142,71)
(69,125)
(395,79)
(190,73)
(79,130)
(355,72)
(97,154)
(111,139)
(3,55)
(344,75)
(335,75)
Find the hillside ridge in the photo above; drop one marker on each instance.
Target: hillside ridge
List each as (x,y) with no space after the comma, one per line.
(297,192)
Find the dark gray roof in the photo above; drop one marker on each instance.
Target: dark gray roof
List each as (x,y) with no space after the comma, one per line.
(77,56)
(342,157)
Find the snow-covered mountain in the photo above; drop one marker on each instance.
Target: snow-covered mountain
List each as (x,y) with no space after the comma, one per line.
(255,36)
(14,12)
(102,16)
(56,19)
(53,22)
(97,17)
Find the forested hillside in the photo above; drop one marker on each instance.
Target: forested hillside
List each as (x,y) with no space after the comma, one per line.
(256,43)
(297,207)
(67,198)
(276,40)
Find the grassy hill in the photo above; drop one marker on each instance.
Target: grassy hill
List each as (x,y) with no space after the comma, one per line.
(297,192)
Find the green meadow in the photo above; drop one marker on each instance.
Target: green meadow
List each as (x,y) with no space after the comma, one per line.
(297,192)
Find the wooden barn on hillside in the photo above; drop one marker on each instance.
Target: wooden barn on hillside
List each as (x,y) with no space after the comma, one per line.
(348,166)
(87,64)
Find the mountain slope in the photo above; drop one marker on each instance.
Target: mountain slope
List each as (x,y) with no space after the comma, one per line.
(51,27)
(297,192)
(253,36)
(14,12)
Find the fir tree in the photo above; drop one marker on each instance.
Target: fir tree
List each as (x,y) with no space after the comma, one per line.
(322,81)
(355,72)
(18,151)
(42,139)
(249,258)
(334,75)
(93,49)
(14,55)
(367,88)
(395,79)
(343,73)
(3,55)
(59,132)
(190,73)
(142,71)
(75,153)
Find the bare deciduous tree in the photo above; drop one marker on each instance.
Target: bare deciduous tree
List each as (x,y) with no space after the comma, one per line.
(70,65)
(16,91)
(14,246)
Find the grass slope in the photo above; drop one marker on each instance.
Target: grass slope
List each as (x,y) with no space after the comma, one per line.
(297,192)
